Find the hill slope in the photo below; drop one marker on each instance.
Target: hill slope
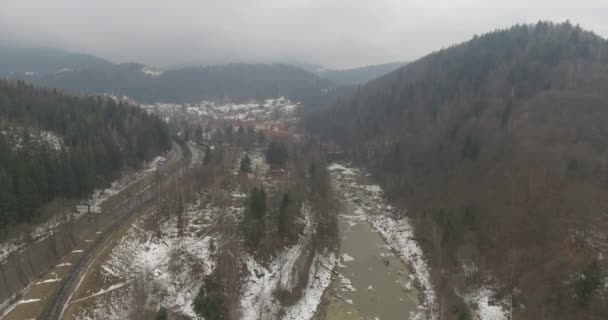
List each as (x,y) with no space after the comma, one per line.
(357,76)
(52,145)
(81,74)
(497,147)
(44,61)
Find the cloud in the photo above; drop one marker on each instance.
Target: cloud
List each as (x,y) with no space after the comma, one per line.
(336,33)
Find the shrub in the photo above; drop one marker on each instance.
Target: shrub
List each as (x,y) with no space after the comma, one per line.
(209,303)
(257,203)
(276,153)
(161,314)
(589,282)
(471,148)
(254,232)
(246,164)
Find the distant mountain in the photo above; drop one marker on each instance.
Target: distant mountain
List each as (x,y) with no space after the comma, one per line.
(497,147)
(237,81)
(82,74)
(43,61)
(86,74)
(357,76)
(310,67)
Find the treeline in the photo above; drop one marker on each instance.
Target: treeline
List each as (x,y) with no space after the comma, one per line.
(192,84)
(97,138)
(497,149)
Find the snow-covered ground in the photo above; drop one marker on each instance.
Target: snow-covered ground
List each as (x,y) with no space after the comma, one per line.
(258,300)
(394,228)
(171,267)
(151,71)
(319,279)
(485,306)
(15,137)
(65,70)
(258,162)
(117,186)
(280,108)
(197,155)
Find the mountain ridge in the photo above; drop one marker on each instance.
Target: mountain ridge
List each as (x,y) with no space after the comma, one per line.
(87,74)
(495,148)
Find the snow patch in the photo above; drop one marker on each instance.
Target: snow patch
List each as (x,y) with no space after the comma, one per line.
(257,297)
(63,264)
(319,279)
(347,258)
(151,72)
(49,281)
(16,137)
(64,70)
(485,306)
(27,301)
(174,267)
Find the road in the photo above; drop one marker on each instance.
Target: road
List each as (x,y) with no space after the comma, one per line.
(124,210)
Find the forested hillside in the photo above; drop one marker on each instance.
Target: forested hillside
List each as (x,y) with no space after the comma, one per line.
(361,75)
(497,147)
(53,145)
(45,61)
(189,85)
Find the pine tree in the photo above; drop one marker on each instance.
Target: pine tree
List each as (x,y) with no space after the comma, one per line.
(246,164)
(284,214)
(276,153)
(257,203)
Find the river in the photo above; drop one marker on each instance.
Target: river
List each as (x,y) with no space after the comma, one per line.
(371,281)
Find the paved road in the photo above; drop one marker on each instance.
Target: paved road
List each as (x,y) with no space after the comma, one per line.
(178,160)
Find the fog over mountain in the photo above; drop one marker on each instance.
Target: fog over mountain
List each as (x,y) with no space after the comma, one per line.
(336,33)
(304,159)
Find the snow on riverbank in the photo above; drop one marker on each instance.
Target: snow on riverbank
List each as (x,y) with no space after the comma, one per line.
(399,235)
(319,279)
(397,232)
(258,300)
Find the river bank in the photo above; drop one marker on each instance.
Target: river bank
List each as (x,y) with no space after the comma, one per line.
(382,273)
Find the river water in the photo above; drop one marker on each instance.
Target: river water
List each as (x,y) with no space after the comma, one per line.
(371,282)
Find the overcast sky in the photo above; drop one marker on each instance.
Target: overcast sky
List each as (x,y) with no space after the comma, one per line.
(334,33)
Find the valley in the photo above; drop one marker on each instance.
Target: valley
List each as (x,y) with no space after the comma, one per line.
(78,241)
(469,183)
(173,235)
(372,282)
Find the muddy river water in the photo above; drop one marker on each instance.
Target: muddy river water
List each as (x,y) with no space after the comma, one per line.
(371,282)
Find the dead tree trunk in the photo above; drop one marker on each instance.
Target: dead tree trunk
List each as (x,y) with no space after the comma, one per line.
(3,275)
(22,275)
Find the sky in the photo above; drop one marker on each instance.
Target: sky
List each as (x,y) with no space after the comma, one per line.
(333,33)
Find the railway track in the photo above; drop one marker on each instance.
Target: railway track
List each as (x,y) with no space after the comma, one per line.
(58,303)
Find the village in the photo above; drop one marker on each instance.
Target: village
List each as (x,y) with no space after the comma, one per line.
(271,116)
